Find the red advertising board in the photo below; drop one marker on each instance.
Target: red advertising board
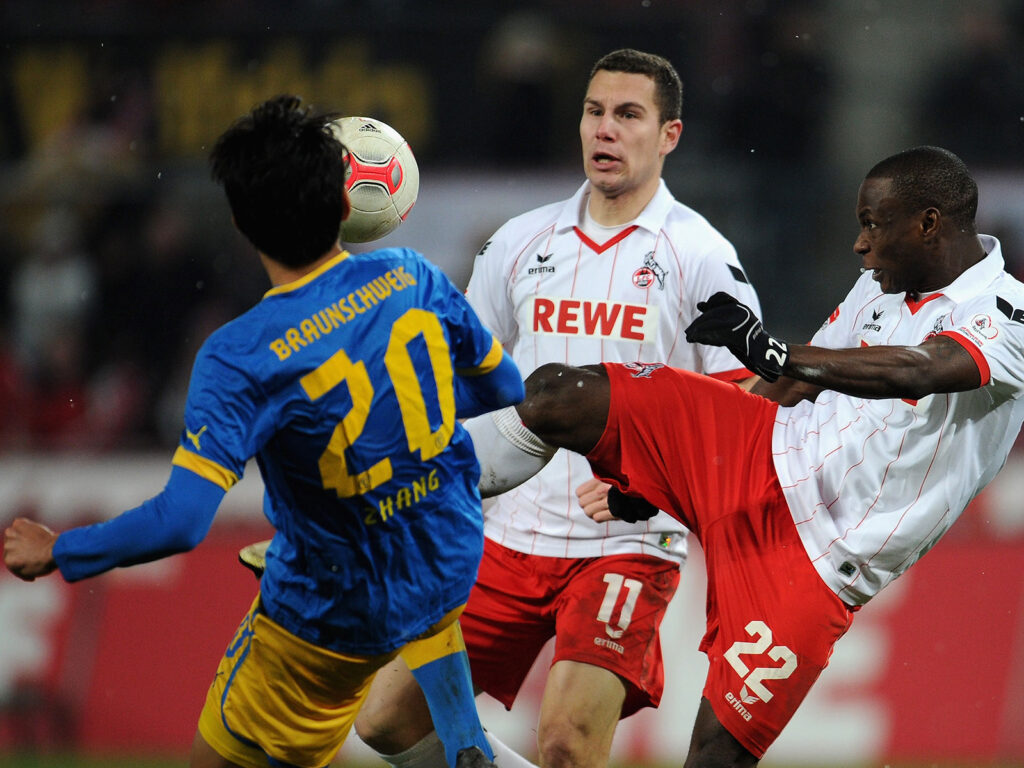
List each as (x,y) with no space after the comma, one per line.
(932,670)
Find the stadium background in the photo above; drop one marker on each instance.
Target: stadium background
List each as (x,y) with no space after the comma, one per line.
(117,258)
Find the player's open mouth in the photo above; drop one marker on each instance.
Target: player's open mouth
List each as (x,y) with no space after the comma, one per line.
(602,158)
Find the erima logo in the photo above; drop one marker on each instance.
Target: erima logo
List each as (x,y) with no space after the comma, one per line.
(747,697)
(1016,315)
(736,704)
(610,644)
(542,269)
(874,326)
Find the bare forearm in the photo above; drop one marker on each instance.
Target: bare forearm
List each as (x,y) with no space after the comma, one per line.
(786,390)
(938,365)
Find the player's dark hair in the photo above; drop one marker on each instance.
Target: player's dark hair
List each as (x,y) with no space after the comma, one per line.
(668,88)
(932,177)
(283,171)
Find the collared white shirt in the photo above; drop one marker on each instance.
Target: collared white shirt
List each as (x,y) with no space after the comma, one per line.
(874,484)
(551,294)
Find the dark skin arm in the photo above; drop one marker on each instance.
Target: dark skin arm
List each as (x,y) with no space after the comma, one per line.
(567,406)
(940,364)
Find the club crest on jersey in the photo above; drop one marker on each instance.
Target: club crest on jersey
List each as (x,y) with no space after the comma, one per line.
(543,268)
(981,328)
(649,273)
(936,329)
(643,370)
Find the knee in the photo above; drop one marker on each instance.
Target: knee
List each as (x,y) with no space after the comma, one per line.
(389,732)
(553,394)
(564,744)
(376,731)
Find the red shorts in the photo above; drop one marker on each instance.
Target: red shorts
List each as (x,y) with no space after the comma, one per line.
(604,611)
(704,455)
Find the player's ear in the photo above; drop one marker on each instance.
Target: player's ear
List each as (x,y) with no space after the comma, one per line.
(671,130)
(346,206)
(931,219)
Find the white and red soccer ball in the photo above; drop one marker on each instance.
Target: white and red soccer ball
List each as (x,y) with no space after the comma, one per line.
(382,178)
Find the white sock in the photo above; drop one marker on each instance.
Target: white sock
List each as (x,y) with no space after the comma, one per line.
(508,452)
(428,752)
(504,756)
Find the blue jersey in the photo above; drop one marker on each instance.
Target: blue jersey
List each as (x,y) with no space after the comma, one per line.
(342,385)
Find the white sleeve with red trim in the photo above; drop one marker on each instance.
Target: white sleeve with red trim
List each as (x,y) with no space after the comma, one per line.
(991,328)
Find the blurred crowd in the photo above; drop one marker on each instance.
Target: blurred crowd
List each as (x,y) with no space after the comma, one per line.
(116,261)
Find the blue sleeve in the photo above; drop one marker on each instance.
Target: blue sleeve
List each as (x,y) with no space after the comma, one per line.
(175,520)
(479,393)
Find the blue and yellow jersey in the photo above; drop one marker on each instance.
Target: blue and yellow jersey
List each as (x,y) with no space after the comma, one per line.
(341,386)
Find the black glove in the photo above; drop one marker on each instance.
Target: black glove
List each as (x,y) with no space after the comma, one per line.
(727,323)
(632,509)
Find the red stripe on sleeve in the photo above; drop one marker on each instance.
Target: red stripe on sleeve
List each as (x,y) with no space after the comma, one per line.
(973,351)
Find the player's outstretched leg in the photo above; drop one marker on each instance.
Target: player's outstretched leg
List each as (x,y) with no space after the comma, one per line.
(441,668)
(566,406)
(712,746)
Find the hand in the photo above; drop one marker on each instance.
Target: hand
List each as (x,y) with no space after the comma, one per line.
(603,503)
(728,323)
(28,549)
(593,497)
(631,509)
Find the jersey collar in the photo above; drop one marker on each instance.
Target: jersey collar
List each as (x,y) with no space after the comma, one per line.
(308,277)
(651,218)
(975,279)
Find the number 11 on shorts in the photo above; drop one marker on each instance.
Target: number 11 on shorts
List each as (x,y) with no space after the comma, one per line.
(616,582)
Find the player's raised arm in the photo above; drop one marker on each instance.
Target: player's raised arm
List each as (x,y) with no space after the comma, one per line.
(939,364)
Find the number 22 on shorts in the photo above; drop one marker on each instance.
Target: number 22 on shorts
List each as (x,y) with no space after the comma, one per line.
(753,678)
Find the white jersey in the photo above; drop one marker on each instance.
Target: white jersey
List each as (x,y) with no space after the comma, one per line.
(551,294)
(874,484)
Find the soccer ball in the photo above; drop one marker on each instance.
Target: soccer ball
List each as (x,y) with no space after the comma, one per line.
(382,178)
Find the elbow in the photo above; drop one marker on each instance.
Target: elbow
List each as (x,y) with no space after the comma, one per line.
(188,529)
(181,540)
(191,539)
